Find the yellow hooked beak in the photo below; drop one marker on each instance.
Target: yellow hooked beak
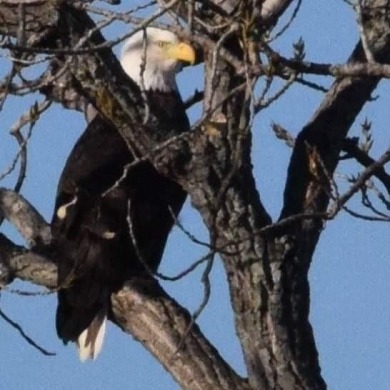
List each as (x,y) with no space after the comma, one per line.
(181,51)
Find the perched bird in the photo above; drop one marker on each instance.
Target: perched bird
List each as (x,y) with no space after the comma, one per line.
(110,224)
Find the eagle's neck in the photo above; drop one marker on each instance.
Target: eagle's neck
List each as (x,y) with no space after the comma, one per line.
(150,77)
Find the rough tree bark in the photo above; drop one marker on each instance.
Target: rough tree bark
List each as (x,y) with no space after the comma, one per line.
(266,265)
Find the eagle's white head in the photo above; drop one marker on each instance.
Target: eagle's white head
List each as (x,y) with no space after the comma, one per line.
(153,64)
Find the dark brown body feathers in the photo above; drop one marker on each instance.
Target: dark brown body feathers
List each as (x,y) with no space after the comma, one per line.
(96,254)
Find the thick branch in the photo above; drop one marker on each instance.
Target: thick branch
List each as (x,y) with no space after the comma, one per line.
(327,130)
(152,317)
(314,159)
(24,217)
(29,16)
(141,309)
(26,265)
(272,10)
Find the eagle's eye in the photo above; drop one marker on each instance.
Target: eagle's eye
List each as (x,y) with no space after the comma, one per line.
(161,43)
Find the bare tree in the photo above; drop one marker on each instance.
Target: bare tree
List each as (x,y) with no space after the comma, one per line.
(266,261)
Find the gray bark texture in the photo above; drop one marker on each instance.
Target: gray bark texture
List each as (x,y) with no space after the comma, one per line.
(266,262)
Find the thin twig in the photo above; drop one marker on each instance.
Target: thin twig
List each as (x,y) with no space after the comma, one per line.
(288,24)
(143,261)
(206,297)
(369,218)
(187,232)
(31,117)
(366,202)
(264,103)
(213,67)
(194,99)
(28,339)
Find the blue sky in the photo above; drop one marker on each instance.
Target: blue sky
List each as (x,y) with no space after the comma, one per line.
(349,276)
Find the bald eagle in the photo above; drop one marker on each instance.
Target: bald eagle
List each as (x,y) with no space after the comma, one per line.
(109,224)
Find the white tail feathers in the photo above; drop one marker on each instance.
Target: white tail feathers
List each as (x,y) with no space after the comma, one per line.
(90,341)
